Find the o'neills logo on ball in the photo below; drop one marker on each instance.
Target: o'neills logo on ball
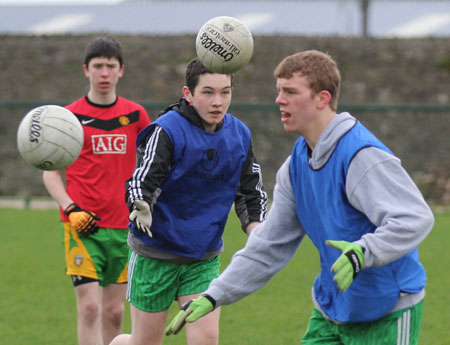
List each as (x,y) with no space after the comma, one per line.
(35,126)
(214,41)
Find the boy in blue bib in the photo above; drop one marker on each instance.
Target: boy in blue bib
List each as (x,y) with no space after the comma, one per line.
(193,163)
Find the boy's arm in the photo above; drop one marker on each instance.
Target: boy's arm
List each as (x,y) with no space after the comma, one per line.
(251,200)
(55,186)
(153,158)
(266,252)
(269,248)
(83,221)
(378,186)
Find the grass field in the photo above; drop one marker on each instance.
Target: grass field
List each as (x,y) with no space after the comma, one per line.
(37,302)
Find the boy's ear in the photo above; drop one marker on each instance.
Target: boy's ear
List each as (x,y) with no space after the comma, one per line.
(86,70)
(324,98)
(187,94)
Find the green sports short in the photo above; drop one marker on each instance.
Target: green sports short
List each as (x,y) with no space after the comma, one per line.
(102,256)
(398,328)
(154,284)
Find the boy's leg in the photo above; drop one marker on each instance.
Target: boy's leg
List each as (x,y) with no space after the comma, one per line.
(195,279)
(113,297)
(204,331)
(121,339)
(148,329)
(88,314)
(152,286)
(80,254)
(114,279)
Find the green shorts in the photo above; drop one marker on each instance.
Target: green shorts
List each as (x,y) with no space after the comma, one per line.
(399,328)
(102,256)
(154,284)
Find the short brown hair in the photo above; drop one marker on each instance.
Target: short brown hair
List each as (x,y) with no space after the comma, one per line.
(194,70)
(319,68)
(105,46)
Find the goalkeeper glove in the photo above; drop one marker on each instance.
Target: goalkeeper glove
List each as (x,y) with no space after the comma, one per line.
(190,312)
(348,265)
(141,216)
(84,222)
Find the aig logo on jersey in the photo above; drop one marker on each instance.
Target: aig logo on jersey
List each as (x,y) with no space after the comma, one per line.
(109,144)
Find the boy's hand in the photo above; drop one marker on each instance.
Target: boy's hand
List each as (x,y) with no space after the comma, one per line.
(190,312)
(141,216)
(83,222)
(348,265)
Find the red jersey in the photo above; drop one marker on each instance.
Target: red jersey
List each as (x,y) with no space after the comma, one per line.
(96,180)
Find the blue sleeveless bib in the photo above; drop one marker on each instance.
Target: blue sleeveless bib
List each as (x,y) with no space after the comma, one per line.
(190,214)
(325,213)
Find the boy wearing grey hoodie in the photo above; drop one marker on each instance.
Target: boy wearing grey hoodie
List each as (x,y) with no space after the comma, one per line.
(347,191)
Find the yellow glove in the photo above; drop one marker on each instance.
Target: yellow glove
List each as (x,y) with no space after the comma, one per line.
(84,222)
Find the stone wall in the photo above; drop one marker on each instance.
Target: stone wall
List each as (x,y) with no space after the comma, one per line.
(415,73)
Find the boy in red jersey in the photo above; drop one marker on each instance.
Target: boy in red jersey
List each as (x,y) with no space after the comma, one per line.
(93,208)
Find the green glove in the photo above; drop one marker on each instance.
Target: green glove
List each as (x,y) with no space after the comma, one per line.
(190,312)
(348,265)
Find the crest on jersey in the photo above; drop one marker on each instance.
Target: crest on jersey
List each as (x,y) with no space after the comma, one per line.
(124,120)
(78,260)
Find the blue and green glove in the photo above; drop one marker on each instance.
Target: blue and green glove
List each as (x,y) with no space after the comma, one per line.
(348,265)
(190,312)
